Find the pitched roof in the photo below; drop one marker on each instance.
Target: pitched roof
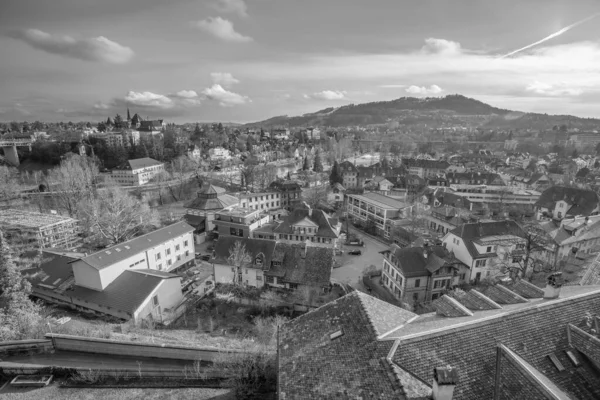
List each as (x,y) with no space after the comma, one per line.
(145,162)
(303,264)
(534,330)
(420,163)
(253,247)
(412,262)
(353,365)
(211,197)
(319,217)
(121,251)
(582,201)
(477,230)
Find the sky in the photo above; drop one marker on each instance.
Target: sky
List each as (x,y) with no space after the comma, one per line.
(248,60)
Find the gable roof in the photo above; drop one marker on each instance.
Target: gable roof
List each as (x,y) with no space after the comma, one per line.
(254,247)
(421,163)
(582,201)
(302,264)
(211,197)
(319,217)
(353,365)
(145,162)
(412,261)
(104,258)
(474,231)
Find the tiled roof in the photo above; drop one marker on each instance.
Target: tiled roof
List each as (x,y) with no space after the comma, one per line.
(121,251)
(412,262)
(253,247)
(210,198)
(419,163)
(351,366)
(319,217)
(532,330)
(194,220)
(582,201)
(477,230)
(140,163)
(303,264)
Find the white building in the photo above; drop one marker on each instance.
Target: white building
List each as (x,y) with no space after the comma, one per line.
(219,154)
(137,172)
(375,207)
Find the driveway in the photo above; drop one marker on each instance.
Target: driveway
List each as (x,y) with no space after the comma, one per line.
(352,266)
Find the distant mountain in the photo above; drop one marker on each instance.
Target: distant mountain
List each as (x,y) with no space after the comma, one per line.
(432,111)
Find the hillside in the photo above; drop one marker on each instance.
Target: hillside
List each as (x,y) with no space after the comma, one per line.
(446,111)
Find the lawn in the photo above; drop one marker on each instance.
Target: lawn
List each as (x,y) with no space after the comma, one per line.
(54,392)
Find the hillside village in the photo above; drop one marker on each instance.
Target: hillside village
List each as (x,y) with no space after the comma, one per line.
(358,255)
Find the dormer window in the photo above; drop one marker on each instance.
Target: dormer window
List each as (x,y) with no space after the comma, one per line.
(259,260)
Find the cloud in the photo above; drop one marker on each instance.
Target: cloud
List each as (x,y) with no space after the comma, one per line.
(88,49)
(557,89)
(232,6)
(392,86)
(223,78)
(148,99)
(222,29)
(101,106)
(433,89)
(186,94)
(224,97)
(327,95)
(441,46)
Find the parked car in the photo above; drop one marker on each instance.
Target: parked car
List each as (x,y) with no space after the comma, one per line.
(355,252)
(205,257)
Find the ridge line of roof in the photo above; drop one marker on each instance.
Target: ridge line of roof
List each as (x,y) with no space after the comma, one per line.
(531,307)
(382,337)
(363,310)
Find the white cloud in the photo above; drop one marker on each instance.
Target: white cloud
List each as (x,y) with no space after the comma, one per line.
(101,106)
(327,95)
(232,6)
(223,78)
(222,29)
(441,46)
(433,89)
(148,99)
(187,94)
(224,97)
(557,89)
(87,49)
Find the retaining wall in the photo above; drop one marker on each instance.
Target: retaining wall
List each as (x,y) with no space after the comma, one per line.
(107,346)
(17,346)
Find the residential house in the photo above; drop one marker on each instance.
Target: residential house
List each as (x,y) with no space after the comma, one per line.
(488,248)
(421,274)
(275,264)
(376,208)
(200,212)
(445,218)
(379,183)
(304,225)
(194,152)
(137,172)
(336,195)
(506,342)
(560,202)
(219,154)
(474,178)
(578,236)
(40,230)
(239,221)
(152,127)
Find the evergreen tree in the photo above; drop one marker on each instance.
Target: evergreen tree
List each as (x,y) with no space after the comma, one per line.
(128,115)
(306,165)
(318,165)
(109,122)
(118,121)
(336,176)
(14,288)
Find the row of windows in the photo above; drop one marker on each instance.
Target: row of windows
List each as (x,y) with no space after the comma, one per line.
(137,263)
(302,238)
(168,251)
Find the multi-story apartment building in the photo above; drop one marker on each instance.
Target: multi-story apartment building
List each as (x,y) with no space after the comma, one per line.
(349,175)
(425,168)
(375,207)
(290,193)
(583,141)
(42,230)
(165,249)
(421,274)
(137,172)
(239,221)
(496,194)
(264,201)
(474,178)
(489,249)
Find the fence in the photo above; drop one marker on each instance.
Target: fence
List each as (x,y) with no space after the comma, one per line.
(107,346)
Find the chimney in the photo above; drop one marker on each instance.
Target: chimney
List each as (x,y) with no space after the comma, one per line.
(554,282)
(444,382)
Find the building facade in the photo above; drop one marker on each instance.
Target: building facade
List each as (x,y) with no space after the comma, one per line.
(375,208)
(137,172)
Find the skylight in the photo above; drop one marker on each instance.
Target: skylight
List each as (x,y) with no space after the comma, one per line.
(556,362)
(108,252)
(127,247)
(118,250)
(336,334)
(572,357)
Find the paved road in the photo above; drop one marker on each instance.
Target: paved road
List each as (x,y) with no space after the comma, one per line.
(353,266)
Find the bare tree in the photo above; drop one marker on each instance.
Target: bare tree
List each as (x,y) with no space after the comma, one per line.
(248,171)
(9,185)
(73,183)
(315,196)
(179,169)
(116,216)
(238,258)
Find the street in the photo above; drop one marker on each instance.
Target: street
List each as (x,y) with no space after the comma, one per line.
(353,266)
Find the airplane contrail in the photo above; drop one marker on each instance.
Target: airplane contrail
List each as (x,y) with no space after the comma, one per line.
(552,36)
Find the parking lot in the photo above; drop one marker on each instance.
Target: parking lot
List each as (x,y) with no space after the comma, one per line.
(352,266)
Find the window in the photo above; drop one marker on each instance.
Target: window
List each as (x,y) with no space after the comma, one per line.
(157,256)
(168,252)
(417,282)
(462,277)
(155,301)
(169,262)
(187,253)
(293,286)
(177,248)
(159,266)
(178,257)
(259,277)
(435,296)
(269,279)
(489,249)
(480,263)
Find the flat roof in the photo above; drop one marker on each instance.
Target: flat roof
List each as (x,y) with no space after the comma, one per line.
(28,219)
(238,212)
(121,251)
(379,200)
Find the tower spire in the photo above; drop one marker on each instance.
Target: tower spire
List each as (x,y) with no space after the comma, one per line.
(128,115)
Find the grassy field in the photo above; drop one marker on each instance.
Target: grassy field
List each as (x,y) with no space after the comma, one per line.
(54,392)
